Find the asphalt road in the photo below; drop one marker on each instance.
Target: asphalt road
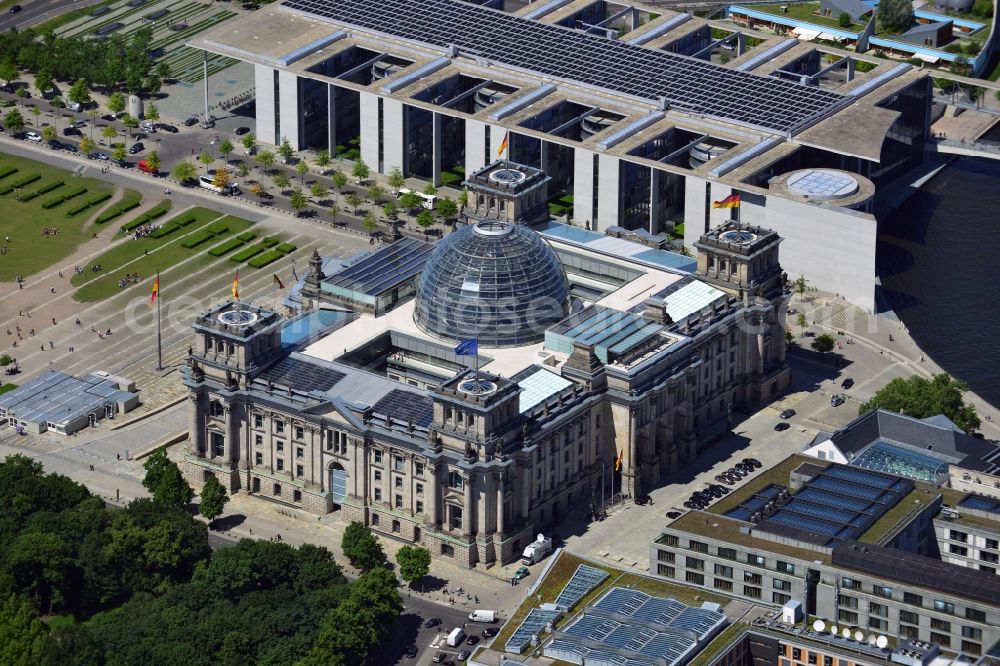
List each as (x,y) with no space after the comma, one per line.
(36,11)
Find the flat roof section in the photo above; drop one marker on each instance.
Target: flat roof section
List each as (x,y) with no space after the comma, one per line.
(569,55)
(380,271)
(61,399)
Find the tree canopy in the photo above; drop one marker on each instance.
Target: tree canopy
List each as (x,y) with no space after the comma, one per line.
(896,16)
(213,499)
(361,547)
(824,343)
(414,563)
(921,398)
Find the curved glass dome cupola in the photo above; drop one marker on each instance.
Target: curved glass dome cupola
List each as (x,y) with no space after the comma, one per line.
(495,281)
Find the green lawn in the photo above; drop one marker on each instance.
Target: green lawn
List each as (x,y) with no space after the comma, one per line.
(804,11)
(129,256)
(7,387)
(30,252)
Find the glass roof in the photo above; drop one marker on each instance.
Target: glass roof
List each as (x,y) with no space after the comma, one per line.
(495,281)
(884,457)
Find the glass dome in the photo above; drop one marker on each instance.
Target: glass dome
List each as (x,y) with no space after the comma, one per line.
(495,281)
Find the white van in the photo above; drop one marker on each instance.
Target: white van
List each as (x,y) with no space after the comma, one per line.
(483,616)
(456,637)
(428,201)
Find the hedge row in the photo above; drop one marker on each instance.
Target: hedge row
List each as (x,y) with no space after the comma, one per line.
(159,211)
(226,247)
(217,228)
(93,201)
(45,189)
(115,211)
(78,208)
(27,180)
(7,170)
(196,239)
(264,259)
(247,236)
(165,230)
(27,196)
(286,248)
(247,253)
(270,241)
(6,190)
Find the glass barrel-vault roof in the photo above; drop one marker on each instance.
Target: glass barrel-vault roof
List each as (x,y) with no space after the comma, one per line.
(495,281)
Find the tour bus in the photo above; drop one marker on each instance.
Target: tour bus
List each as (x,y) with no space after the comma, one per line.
(428,201)
(209,184)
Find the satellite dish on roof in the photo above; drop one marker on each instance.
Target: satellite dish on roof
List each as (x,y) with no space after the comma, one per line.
(871,639)
(859,636)
(882,642)
(834,630)
(847,632)
(819,625)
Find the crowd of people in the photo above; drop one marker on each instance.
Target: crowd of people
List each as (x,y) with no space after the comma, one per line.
(129,279)
(49,231)
(144,230)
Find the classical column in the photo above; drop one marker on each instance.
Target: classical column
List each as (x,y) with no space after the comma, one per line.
(467,517)
(434,515)
(232,446)
(485,507)
(501,527)
(196,428)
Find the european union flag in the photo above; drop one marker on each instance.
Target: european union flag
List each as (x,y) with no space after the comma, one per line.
(467,347)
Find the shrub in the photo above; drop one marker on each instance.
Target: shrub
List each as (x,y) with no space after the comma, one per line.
(114,212)
(186,220)
(247,236)
(247,253)
(164,230)
(226,247)
(7,171)
(217,228)
(270,241)
(75,192)
(53,202)
(78,209)
(28,196)
(196,239)
(45,189)
(6,190)
(264,259)
(26,180)
(100,198)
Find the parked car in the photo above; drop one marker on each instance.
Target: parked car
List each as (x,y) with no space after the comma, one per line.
(15,9)
(99,156)
(240,131)
(410,651)
(837,400)
(463,655)
(55,145)
(673,514)
(782,426)
(753,462)
(490,633)
(722,478)
(787,413)
(70,148)
(71,131)
(439,658)
(136,147)
(190,121)
(167,128)
(521,573)
(33,136)
(847,383)
(642,500)
(432,622)
(74,106)
(472,640)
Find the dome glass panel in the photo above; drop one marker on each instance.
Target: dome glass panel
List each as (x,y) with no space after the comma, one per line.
(495,281)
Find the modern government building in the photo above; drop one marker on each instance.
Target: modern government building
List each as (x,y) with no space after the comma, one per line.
(602,365)
(640,117)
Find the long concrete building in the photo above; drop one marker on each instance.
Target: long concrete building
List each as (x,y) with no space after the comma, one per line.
(641,117)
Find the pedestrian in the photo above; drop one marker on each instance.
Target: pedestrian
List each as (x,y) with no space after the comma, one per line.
(118,456)
(52,289)
(43,347)
(53,321)
(51,345)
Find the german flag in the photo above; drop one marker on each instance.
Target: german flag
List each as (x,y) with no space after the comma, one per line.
(236,286)
(503,144)
(156,290)
(618,460)
(277,281)
(732,201)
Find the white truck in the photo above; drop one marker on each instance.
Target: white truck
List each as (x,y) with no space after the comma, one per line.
(483,616)
(537,550)
(455,637)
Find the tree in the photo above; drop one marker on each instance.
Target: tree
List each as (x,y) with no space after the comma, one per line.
(369,222)
(844,20)
(153,160)
(425,219)
(920,398)
(318,190)
(43,82)
(430,190)
(248,142)
(390,210)
(206,158)
(222,178)
(156,466)
(396,179)
(242,169)
(282,180)
(14,121)
(298,201)
(118,154)
(87,145)
(173,490)
(961,64)
(152,113)
(8,71)
(257,190)
(447,208)
(323,159)
(35,111)
(116,103)
(225,148)
(354,201)
(285,149)
(801,321)
(374,192)
(21,94)
(266,159)
(334,209)
(339,180)
(463,198)
(896,16)
(360,170)
(361,547)
(22,634)
(410,202)
(93,114)
(414,563)
(302,168)
(131,123)
(109,132)
(185,172)
(824,343)
(800,285)
(213,499)
(48,132)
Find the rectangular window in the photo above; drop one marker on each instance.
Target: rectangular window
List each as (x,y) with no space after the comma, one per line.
(992,544)
(695,578)
(300,432)
(399,463)
(909,617)
(377,455)
(258,458)
(785,567)
(695,563)
(848,601)
(418,469)
(913,599)
(955,535)
(749,577)
(907,631)
(665,556)
(971,648)
(258,421)
(780,598)
(944,606)
(724,571)
(698,546)
(300,453)
(940,625)
(296,495)
(727,553)
(812,658)
(419,507)
(378,494)
(756,560)
(218,443)
(258,440)
(850,584)
(419,489)
(723,584)
(277,490)
(381,136)
(279,427)
(975,615)
(797,654)
(455,517)
(395,526)
(958,550)
(377,475)
(882,591)
(375,519)
(279,464)
(669,540)
(941,639)
(878,624)
(783,585)
(397,481)
(664,570)
(751,592)
(455,480)
(975,633)
(988,557)
(878,609)
(399,501)
(299,471)
(279,446)
(850,617)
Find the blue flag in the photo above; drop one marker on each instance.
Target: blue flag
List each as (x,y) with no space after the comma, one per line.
(467,347)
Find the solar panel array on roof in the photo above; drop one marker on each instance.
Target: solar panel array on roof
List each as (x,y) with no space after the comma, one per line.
(302,375)
(584,579)
(381,271)
(529,628)
(612,332)
(404,406)
(566,54)
(839,503)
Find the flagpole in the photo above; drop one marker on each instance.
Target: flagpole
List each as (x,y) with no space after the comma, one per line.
(159,340)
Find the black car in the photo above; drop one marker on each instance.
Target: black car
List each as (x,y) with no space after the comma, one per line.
(56,145)
(752,462)
(168,128)
(240,131)
(15,9)
(490,633)
(787,413)
(71,131)
(70,148)
(410,651)
(781,426)
(472,640)
(847,383)
(136,147)
(463,655)
(673,514)
(642,500)
(190,121)
(439,658)
(432,622)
